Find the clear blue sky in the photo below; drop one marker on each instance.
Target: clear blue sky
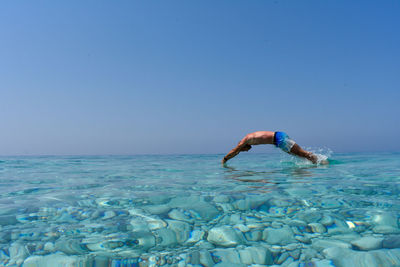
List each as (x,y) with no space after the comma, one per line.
(133,77)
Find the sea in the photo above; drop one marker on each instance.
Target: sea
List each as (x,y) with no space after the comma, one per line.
(190,210)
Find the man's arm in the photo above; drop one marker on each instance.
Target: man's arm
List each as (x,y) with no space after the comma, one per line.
(234,151)
(298,151)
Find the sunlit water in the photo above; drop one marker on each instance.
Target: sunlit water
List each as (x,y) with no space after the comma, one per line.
(189,210)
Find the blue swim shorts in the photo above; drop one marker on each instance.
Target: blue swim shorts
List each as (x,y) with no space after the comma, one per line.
(283,141)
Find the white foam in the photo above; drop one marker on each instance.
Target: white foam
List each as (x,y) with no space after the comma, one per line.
(322,154)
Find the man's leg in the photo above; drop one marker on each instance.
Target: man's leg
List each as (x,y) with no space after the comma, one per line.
(298,151)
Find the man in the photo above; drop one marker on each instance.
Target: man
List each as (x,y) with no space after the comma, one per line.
(279,139)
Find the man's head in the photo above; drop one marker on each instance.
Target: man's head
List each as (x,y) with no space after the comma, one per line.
(246,148)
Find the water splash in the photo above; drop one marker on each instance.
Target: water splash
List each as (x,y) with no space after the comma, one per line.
(322,153)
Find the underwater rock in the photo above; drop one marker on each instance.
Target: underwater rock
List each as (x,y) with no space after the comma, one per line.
(203,244)
(70,246)
(176,214)
(138,224)
(392,241)
(253,235)
(309,216)
(146,224)
(93,227)
(343,257)
(297,223)
(317,228)
(143,221)
(245,256)
(277,211)
(137,240)
(226,207)
(194,257)
(320,244)
(250,202)
(329,203)
(236,218)
(308,254)
(181,229)
(227,255)
(106,243)
(282,202)
(295,254)
(368,243)
(18,252)
(385,229)
(303,239)
(166,237)
(141,240)
(326,220)
(241,227)
(292,246)
(221,199)
(95,246)
(290,262)
(385,218)
(203,209)
(154,223)
(5,236)
(109,214)
(96,214)
(66,217)
(4,258)
(348,237)
(159,199)
(282,236)
(195,236)
(157,209)
(276,225)
(57,259)
(254,226)
(282,258)
(339,231)
(385,223)
(205,258)
(225,236)
(339,227)
(49,246)
(257,254)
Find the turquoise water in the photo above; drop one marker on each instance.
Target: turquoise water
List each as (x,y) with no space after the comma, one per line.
(188,210)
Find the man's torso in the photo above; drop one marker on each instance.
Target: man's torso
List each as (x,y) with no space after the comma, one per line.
(260,137)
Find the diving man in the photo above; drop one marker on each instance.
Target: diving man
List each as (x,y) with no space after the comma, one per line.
(279,139)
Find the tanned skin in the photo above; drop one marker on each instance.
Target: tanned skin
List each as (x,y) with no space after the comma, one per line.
(266,137)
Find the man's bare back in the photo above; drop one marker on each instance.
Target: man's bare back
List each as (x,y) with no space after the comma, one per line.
(279,139)
(260,138)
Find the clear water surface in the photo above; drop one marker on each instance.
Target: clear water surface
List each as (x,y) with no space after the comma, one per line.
(189,210)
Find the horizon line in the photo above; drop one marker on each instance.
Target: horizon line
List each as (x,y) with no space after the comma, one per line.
(173,154)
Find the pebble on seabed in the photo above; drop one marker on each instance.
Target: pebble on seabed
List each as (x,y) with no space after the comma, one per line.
(368,243)
(225,236)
